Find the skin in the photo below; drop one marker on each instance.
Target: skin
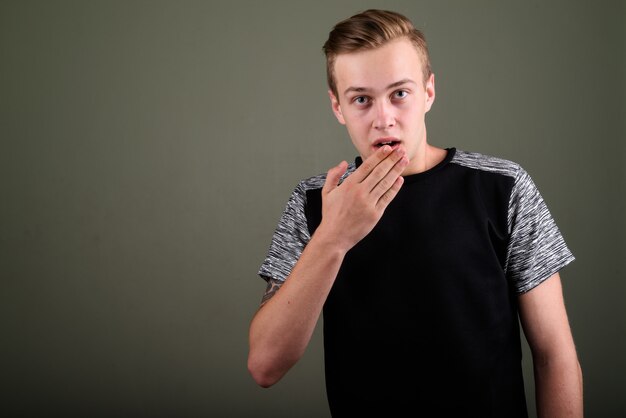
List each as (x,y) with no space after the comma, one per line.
(558,376)
(382,97)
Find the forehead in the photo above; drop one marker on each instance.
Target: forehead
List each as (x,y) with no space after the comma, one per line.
(376,68)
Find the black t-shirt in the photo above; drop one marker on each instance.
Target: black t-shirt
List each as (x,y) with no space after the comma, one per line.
(423,312)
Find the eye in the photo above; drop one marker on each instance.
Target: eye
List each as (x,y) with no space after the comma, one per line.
(361,100)
(400,94)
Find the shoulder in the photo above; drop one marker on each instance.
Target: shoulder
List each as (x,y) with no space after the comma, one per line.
(487,163)
(317,181)
(311,183)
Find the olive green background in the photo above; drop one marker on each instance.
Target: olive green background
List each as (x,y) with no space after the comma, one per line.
(148,148)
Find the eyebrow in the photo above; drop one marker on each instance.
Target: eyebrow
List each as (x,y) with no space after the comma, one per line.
(390,86)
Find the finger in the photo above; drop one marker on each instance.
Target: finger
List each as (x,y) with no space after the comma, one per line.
(389,179)
(370,164)
(383,168)
(333,176)
(390,194)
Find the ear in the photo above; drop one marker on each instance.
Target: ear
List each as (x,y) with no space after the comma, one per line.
(430,92)
(334,102)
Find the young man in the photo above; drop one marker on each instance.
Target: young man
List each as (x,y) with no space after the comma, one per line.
(421,258)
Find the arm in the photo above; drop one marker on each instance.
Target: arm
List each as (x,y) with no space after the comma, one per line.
(282,328)
(558,377)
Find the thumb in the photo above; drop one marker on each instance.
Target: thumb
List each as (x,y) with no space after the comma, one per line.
(333,176)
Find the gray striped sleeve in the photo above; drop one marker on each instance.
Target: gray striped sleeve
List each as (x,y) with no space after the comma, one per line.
(536,249)
(292,233)
(289,239)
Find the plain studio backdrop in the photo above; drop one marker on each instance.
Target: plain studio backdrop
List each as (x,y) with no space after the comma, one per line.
(148,149)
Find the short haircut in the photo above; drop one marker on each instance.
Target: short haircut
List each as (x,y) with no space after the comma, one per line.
(369,30)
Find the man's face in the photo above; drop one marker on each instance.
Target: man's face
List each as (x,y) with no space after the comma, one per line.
(382,99)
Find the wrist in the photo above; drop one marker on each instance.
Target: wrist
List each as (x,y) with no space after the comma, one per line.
(327,238)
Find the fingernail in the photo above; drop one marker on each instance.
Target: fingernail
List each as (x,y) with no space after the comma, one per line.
(386,149)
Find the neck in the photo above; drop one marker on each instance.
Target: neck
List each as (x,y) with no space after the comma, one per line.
(426,157)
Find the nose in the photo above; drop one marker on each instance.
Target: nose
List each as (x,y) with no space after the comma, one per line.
(384,117)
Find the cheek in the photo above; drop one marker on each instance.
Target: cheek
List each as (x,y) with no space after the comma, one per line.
(413,115)
(359,135)
(357,122)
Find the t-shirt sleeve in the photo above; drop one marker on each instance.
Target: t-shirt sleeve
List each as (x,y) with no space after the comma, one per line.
(289,239)
(536,247)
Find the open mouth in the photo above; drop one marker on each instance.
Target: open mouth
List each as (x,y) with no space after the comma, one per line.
(392,144)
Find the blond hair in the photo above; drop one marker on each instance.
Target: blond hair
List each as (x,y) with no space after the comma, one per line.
(369,30)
